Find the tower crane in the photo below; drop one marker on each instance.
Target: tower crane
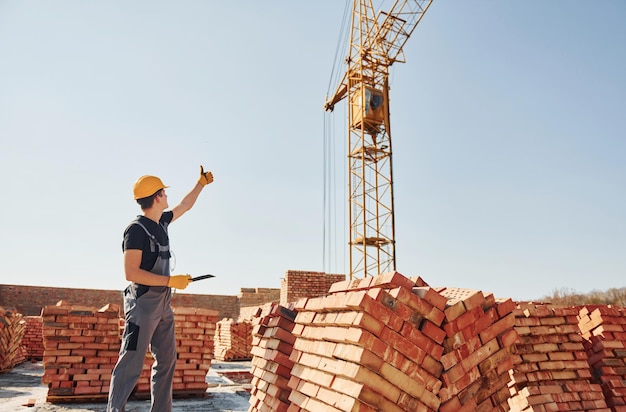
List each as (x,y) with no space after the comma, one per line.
(376,42)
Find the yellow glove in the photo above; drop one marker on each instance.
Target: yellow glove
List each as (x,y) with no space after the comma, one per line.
(205,177)
(179,281)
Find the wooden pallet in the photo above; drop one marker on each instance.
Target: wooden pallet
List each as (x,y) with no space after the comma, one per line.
(176,395)
(77,398)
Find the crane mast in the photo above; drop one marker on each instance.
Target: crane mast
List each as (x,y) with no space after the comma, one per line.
(376,42)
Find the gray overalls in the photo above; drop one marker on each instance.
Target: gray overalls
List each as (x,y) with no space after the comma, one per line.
(149,324)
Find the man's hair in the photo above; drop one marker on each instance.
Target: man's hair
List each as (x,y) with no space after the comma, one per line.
(147,202)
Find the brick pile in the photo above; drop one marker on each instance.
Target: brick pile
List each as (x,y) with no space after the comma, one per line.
(604,331)
(271,367)
(233,340)
(477,351)
(371,344)
(81,346)
(195,333)
(551,370)
(12,329)
(32,342)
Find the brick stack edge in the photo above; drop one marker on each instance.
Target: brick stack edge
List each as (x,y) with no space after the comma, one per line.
(233,340)
(552,369)
(272,344)
(81,345)
(603,329)
(195,333)
(32,342)
(12,329)
(477,351)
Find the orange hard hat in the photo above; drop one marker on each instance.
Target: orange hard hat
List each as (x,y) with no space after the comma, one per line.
(147,186)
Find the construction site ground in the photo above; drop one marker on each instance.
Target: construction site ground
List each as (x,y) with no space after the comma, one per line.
(21,389)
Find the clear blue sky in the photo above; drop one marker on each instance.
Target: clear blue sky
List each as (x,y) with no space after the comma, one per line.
(508,126)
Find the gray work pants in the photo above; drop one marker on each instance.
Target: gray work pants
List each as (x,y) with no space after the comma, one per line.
(149,325)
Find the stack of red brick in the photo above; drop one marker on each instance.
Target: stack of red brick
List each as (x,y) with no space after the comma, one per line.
(195,333)
(477,351)
(32,342)
(81,345)
(271,367)
(12,329)
(604,331)
(393,343)
(551,371)
(233,340)
(371,344)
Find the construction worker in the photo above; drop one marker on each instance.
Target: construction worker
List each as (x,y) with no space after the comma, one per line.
(149,319)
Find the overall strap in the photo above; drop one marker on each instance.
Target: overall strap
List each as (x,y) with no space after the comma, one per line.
(163,250)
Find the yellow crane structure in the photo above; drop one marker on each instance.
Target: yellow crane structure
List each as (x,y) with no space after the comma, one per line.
(376,42)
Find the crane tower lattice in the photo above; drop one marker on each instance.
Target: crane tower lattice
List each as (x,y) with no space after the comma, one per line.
(376,42)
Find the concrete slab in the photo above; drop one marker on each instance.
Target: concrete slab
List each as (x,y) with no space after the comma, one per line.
(22,387)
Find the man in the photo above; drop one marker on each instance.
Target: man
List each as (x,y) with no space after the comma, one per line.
(149,319)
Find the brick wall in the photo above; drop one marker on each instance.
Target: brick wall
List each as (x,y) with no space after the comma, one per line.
(299,284)
(29,300)
(258,296)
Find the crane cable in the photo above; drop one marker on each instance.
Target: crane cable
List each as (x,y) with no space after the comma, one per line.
(340,49)
(329,233)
